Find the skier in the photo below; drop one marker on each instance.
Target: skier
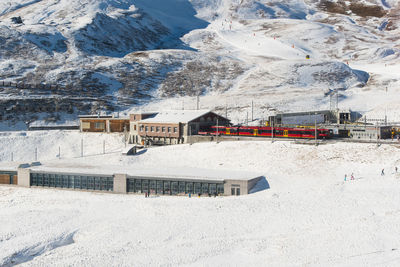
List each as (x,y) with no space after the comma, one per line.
(383,172)
(395,169)
(345,177)
(352,177)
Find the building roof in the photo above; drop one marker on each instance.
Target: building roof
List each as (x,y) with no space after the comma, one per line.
(181,173)
(176,116)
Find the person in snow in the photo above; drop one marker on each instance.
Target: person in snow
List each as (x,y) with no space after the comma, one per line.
(395,169)
(352,176)
(345,177)
(383,172)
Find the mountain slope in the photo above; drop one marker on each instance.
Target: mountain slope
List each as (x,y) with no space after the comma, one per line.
(109,55)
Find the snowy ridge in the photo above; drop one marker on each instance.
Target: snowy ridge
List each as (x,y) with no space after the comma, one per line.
(104,50)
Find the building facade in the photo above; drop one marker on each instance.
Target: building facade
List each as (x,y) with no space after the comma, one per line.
(171,127)
(106,124)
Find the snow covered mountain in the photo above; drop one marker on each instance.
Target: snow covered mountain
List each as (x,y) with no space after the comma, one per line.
(80,56)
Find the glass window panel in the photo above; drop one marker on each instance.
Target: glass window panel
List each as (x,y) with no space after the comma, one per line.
(84,182)
(110,182)
(189,188)
(145,186)
(90,183)
(160,187)
(232,191)
(153,185)
(64,181)
(103,183)
(34,179)
(204,188)
(40,179)
(213,189)
(174,188)
(131,185)
(181,187)
(52,180)
(220,189)
(70,181)
(197,188)
(138,186)
(96,183)
(58,180)
(167,188)
(77,182)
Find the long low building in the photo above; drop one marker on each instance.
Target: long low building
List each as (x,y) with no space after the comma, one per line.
(120,179)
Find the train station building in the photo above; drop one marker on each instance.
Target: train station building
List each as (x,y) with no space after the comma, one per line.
(171,127)
(124,179)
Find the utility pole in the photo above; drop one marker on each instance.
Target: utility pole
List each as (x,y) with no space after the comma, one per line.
(36,154)
(12,156)
(216,138)
(252,110)
(337,99)
(272,130)
(316,129)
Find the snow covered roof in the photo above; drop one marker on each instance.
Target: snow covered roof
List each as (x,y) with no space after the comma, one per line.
(176,116)
(186,173)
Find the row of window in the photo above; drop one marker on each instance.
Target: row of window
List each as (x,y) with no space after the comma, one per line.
(72,181)
(97,125)
(157,129)
(172,187)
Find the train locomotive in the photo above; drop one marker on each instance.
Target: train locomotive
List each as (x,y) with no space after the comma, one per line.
(282,132)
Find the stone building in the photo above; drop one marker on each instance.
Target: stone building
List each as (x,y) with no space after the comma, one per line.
(171,127)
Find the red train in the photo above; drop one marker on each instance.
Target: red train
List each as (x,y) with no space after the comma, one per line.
(285,132)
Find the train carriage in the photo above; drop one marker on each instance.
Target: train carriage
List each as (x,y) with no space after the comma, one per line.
(283,132)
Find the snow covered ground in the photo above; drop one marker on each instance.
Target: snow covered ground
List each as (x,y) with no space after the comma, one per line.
(308,217)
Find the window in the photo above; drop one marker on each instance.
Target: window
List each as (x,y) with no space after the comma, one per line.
(99,125)
(163,129)
(169,129)
(157,129)
(138,186)
(85,125)
(174,188)
(131,185)
(175,129)
(145,186)
(189,188)
(167,188)
(204,188)
(153,185)
(141,128)
(181,187)
(147,128)
(197,188)
(134,127)
(152,128)
(160,187)
(134,117)
(220,188)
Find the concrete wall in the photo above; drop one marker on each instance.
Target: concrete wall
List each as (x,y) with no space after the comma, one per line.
(242,184)
(24,177)
(120,183)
